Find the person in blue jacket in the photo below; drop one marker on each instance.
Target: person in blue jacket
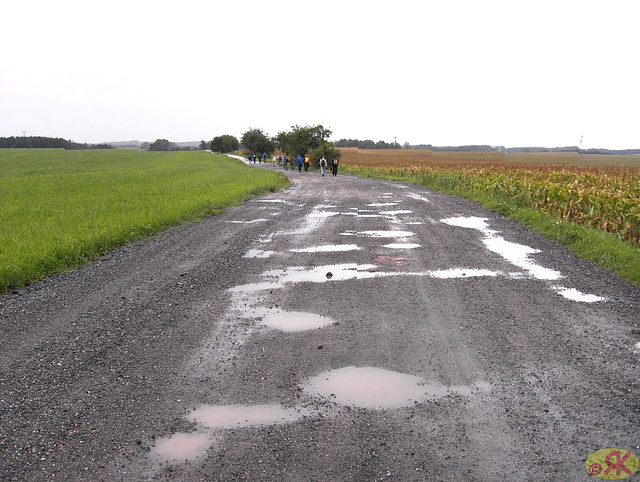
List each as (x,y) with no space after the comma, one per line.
(299,162)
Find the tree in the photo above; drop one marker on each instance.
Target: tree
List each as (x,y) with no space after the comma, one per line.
(326,150)
(302,140)
(162,145)
(225,143)
(203,146)
(257,142)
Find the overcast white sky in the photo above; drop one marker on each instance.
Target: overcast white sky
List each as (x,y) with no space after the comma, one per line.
(512,73)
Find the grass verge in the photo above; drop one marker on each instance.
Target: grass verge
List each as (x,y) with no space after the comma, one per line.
(60,209)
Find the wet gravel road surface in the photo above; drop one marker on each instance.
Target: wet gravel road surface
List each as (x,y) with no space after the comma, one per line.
(343,329)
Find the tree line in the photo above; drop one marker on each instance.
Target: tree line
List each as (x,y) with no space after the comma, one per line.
(366,144)
(39,142)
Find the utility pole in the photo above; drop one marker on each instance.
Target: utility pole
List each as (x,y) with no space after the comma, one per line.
(581,142)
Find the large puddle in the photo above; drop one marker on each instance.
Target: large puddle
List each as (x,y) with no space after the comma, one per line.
(396,213)
(327,248)
(293,321)
(401,246)
(181,447)
(380,234)
(519,255)
(378,388)
(514,253)
(241,416)
(348,271)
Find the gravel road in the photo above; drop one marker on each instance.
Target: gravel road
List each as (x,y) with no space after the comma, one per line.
(344,329)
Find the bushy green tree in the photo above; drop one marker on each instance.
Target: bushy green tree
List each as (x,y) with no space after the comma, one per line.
(225,143)
(302,139)
(258,142)
(326,150)
(162,145)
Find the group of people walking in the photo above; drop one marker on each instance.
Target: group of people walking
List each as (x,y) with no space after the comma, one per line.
(300,162)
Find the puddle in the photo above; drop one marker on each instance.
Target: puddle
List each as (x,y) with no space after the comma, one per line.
(348,271)
(293,321)
(181,447)
(323,214)
(318,274)
(518,255)
(377,388)
(395,213)
(514,253)
(276,201)
(249,222)
(327,248)
(385,234)
(381,205)
(471,222)
(575,295)
(258,253)
(401,246)
(462,273)
(241,416)
(418,197)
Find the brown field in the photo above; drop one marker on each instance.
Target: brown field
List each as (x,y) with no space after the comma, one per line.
(421,157)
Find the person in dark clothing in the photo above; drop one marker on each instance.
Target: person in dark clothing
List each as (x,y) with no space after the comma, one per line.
(334,166)
(299,162)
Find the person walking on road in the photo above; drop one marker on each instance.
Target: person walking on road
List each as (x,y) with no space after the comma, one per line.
(286,163)
(334,165)
(307,162)
(299,162)
(323,165)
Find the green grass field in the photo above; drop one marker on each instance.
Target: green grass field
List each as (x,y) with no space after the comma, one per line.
(59,209)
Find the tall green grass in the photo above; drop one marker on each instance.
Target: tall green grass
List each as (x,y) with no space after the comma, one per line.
(60,209)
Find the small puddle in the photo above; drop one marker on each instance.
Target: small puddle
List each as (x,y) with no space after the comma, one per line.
(327,248)
(322,214)
(462,273)
(258,253)
(276,201)
(401,246)
(381,205)
(395,213)
(181,447)
(241,416)
(575,295)
(377,388)
(385,234)
(293,321)
(418,197)
(249,222)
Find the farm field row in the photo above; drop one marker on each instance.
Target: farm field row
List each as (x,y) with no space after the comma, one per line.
(59,209)
(599,194)
(537,160)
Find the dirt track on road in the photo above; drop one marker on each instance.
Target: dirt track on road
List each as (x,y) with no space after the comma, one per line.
(342,329)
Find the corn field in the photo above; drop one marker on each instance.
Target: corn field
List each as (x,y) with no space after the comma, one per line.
(606,198)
